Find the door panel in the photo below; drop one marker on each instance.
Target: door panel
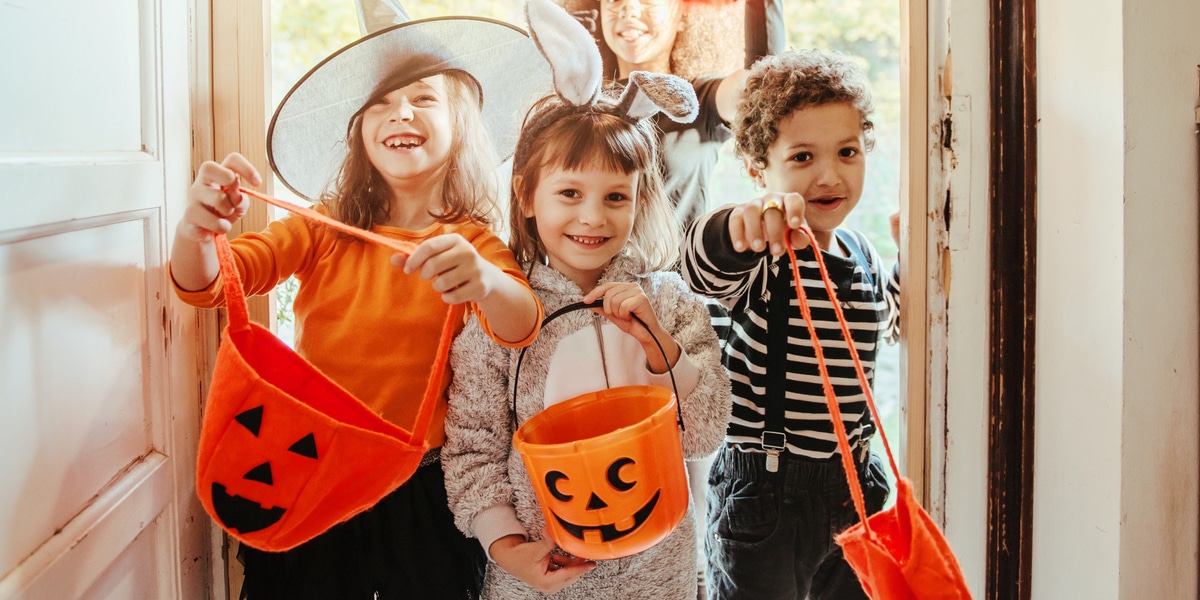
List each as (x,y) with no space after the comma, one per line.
(83,66)
(96,457)
(73,357)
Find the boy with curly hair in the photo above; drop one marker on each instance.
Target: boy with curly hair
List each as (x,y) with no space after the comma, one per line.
(777,489)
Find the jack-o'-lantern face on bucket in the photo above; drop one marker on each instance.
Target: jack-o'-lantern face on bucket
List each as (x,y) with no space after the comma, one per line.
(607,512)
(607,468)
(248,500)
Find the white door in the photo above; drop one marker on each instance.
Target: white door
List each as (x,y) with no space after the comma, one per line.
(96,461)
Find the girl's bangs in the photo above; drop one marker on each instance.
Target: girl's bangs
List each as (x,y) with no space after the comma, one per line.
(597,141)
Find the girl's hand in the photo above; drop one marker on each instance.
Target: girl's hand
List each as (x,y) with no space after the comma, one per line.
(454,266)
(767,223)
(210,209)
(461,274)
(213,202)
(622,301)
(537,564)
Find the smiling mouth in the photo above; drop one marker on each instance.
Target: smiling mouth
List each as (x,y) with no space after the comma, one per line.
(242,514)
(608,533)
(589,241)
(826,202)
(403,142)
(632,35)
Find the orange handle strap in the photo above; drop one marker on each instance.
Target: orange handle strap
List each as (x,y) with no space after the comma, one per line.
(312,215)
(235,294)
(433,387)
(239,319)
(839,427)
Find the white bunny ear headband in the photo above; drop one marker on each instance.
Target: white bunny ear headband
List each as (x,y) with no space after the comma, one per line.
(577,70)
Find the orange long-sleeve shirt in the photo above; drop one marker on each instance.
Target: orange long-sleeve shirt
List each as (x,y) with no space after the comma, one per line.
(360,320)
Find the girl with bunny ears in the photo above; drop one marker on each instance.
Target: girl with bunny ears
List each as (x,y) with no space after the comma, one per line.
(589,222)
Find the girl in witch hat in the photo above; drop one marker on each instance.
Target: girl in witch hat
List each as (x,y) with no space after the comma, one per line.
(398,133)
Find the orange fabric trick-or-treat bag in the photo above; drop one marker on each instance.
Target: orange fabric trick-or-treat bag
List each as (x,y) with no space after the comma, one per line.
(285,453)
(898,553)
(903,554)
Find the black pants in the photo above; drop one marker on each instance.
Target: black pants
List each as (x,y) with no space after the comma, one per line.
(406,546)
(770,535)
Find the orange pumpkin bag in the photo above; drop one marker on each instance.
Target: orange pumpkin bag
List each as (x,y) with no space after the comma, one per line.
(898,553)
(286,453)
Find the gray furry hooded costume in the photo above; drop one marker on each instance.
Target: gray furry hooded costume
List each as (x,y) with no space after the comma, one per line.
(487,484)
(486,481)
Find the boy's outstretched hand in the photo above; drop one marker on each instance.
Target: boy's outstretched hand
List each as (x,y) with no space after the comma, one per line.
(766,223)
(537,564)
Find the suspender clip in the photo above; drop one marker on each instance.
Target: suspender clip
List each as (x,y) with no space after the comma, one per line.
(773,442)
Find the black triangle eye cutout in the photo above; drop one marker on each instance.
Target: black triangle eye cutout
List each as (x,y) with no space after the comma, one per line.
(305,446)
(251,419)
(261,474)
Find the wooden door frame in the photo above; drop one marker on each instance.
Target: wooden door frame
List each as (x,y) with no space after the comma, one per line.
(915,299)
(230,107)
(1013,230)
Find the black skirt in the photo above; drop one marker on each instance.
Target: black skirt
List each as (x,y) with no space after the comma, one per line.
(406,546)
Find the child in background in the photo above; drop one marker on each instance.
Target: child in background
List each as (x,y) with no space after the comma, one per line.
(589,222)
(777,490)
(418,167)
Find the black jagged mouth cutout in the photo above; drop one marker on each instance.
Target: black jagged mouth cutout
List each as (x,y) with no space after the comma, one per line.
(609,533)
(241,514)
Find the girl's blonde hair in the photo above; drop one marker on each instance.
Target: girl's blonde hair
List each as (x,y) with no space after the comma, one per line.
(559,135)
(362,198)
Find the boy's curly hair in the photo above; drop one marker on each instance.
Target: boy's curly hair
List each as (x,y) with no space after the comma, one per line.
(782,83)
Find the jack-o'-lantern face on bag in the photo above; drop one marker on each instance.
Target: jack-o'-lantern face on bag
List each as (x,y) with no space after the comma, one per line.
(251,502)
(606,512)
(285,453)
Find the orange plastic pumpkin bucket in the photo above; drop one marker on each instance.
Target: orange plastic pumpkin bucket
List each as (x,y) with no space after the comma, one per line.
(607,468)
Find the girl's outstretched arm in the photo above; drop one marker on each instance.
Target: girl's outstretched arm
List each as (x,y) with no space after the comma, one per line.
(461,274)
(210,209)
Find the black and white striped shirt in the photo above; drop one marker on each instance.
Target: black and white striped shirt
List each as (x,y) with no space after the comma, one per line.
(743,282)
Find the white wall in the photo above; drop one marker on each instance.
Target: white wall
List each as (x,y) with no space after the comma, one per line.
(1080,309)
(1116,448)
(1115,481)
(1159,413)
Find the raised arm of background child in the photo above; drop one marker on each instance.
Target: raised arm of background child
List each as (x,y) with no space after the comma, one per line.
(765,33)
(210,209)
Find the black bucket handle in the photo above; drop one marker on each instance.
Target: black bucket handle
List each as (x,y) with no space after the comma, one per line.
(597,304)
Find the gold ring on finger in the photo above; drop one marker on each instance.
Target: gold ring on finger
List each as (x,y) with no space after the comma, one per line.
(772,204)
